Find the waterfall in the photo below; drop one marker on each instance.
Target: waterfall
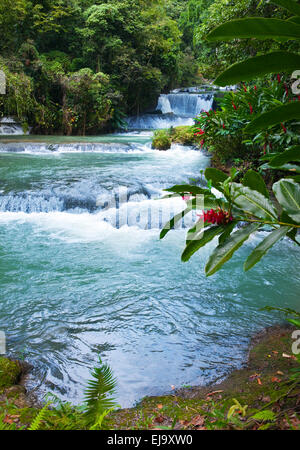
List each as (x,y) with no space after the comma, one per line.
(184,104)
(9,126)
(174,109)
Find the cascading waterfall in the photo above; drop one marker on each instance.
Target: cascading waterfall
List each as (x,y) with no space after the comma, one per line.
(174,109)
(8,126)
(184,104)
(129,201)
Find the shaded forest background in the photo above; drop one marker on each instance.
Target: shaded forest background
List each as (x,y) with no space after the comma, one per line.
(80,66)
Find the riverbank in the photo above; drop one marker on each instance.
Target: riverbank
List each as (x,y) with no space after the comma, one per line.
(261,395)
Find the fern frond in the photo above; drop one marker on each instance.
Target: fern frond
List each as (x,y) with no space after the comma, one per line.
(98,393)
(35,425)
(266,415)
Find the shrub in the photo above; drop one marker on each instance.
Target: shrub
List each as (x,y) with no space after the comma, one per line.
(161,140)
(183,135)
(223,132)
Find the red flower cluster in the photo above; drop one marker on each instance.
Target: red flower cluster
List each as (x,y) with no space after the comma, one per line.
(199,132)
(216,216)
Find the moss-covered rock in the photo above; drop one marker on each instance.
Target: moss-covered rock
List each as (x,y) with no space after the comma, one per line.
(183,135)
(10,372)
(161,140)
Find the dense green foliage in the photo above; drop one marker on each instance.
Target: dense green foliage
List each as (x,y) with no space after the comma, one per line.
(161,140)
(223,131)
(202,16)
(77,66)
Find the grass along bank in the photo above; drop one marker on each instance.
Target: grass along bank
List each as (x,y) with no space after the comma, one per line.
(259,396)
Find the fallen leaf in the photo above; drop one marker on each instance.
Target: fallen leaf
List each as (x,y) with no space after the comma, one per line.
(285,355)
(259,381)
(279,372)
(8,419)
(274,351)
(184,422)
(213,393)
(197,421)
(275,380)
(255,375)
(159,419)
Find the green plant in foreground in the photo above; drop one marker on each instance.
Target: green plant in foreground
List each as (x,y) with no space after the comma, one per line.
(98,400)
(249,202)
(37,422)
(237,407)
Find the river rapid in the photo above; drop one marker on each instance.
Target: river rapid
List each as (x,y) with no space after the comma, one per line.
(83,272)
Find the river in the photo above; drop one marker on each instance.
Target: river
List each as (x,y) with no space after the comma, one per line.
(84,273)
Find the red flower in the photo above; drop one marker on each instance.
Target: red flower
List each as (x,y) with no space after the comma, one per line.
(283,127)
(234,106)
(251,109)
(255,88)
(286,90)
(216,216)
(223,126)
(278,78)
(245,89)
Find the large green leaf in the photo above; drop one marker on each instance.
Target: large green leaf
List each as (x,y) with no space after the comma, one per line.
(277,115)
(227,231)
(260,65)
(199,240)
(254,203)
(264,246)
(187,188)
(292,154)
(294,19)
(287,193)
(227,248)
(290,5)
(255,27)
(255,181)
(215,176)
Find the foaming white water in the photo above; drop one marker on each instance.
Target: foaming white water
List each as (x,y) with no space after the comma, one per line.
(126,217)
(8,126)
(174,109)
(55,149)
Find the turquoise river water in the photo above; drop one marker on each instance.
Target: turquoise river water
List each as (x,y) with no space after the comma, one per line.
(82,275)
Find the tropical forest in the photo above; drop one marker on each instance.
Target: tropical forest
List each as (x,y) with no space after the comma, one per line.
(149,218)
